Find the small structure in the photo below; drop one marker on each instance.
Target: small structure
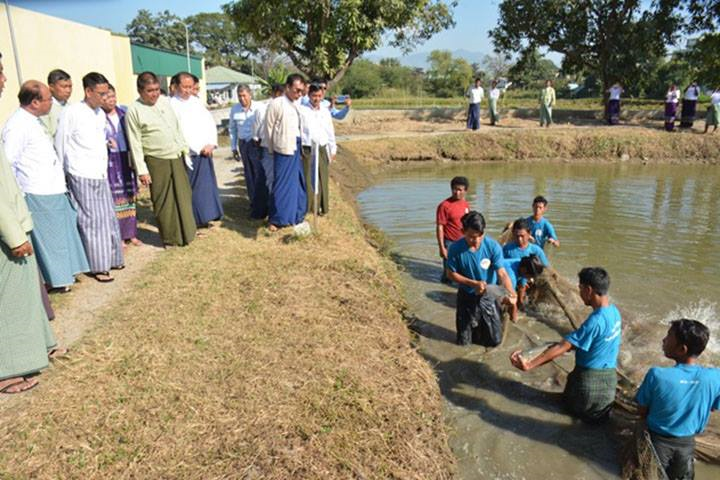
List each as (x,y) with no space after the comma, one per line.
(165,64)
(222,85)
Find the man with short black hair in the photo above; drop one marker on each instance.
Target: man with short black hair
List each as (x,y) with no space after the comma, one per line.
(448,219)
(475,96)
(158,151)
(198,128)
(676,401)
(41,177)
(475,263)
(590,389)
(283,125)
(60,85)
(81,145)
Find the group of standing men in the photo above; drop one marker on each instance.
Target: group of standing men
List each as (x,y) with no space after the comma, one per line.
(286,146)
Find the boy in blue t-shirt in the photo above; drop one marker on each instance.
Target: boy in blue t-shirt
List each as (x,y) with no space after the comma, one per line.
(677,401)
(521,270)
(520,248)
(474,262)
(540,228)
(590,389)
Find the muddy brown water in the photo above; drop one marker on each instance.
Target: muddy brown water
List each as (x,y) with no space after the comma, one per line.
(656,229)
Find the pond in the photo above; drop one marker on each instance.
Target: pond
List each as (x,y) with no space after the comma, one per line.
(655,228)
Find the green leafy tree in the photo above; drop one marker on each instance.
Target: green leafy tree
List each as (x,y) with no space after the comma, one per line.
(531,69)
(607,38)
(363,79)
(702,52)
(161,30)
(219,40)
(323,38)
(399,77)
(447,76)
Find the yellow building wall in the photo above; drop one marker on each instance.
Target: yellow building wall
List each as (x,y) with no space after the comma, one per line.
(45,43)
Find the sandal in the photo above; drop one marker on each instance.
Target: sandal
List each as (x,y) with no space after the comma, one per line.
(20,387)
(102,277)
(65,289)
(58,353)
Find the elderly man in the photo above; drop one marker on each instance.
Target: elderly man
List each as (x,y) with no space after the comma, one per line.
(60,85)
(198,128)
(80,143)
(318,140)
(158,150)
(244,141)
(26,335)
(283,125)
(40,175)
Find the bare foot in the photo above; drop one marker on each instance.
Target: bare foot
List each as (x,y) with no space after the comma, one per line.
(23,385)
(134,241)
(272,228)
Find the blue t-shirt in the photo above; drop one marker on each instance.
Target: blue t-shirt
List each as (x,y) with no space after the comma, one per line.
(513,250)
(597,341)
(512,268)
(481,264)
(679,399)
(541,230)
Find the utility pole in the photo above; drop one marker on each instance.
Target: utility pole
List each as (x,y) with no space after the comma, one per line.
(14,43)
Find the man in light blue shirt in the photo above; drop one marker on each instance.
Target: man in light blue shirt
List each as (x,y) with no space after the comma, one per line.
(245,145)
(677,401)
(590,389)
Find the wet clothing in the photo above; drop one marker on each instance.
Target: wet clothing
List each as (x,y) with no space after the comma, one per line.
(541,230)
(597,341)
(590,392)
(676,455)
(478,318)
(680,398)
(481,264)
(449,214)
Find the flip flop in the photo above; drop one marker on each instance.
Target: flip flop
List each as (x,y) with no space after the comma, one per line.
(20,387)
(58,353)
(107,276)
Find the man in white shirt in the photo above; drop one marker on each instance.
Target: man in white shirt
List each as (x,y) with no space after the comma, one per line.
(475,96)
(613,106)
(40,175)
(60,85)
(198,128)
(81,145)
(245,145)
(318,140)
(288,203)
(493,103)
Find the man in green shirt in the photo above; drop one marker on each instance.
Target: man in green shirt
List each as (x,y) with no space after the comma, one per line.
(60,85)
(159,150)
(547,102)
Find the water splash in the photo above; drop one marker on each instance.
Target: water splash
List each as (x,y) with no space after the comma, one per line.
(703,311)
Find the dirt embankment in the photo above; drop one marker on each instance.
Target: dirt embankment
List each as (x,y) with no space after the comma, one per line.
(244,355)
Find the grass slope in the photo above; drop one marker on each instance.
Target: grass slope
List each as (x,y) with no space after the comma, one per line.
(242,356)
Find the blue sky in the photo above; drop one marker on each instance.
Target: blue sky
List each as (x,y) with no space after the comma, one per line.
(474,18)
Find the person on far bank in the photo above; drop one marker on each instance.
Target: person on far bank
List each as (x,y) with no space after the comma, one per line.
(613,108)
(590,389)
(448,219)
(672,98)
(475,263)
(713,113)
(689,105)
(493,100)
(547,102)
(676,401)
(60,85)
(540,227)
(475,96)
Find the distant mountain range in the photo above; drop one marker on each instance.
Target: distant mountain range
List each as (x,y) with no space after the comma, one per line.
(419,59)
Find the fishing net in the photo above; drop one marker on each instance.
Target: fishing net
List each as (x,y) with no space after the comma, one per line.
(641,462)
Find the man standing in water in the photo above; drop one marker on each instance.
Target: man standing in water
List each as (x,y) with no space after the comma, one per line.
(475,263)
(448,219)
(590,388)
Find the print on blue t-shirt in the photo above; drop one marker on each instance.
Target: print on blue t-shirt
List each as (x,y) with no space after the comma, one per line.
(597,341)
(481,264)
(541,230)
(679,399)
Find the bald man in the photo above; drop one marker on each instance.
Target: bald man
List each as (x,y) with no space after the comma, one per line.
(40,175)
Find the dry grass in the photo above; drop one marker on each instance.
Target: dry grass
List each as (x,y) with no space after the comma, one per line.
(629,144)
(242,356)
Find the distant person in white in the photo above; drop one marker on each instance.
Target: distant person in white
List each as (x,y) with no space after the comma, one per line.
(713,113)
(318,140)
(40,175)
(474,95)
(689,105)
(613,108)
(198,128)
(493,103)
(81,145)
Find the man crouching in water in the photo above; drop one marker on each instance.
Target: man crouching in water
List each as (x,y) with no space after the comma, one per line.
(590,388)
(475,262)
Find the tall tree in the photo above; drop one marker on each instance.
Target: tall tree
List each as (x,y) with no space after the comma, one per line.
(608,38)
(532,68)
(161,30)
(496,65)
(216,36)
(447,76)
(324,37)
(702,52)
